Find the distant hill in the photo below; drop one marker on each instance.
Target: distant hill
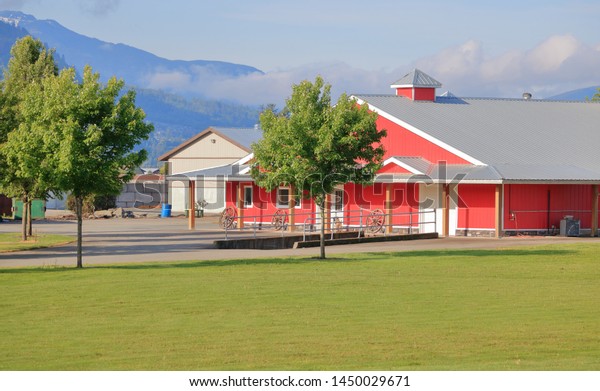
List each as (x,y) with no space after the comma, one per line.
(175,118)
(580,94)
(133,65)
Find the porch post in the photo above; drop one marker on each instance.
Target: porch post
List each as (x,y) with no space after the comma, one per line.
(498,211)
(240,205)
(192,205)
(327,213)
(445,210)
(388,208)
(594,210)
(291,210)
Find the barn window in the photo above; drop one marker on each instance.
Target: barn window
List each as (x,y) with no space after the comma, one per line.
(283,198)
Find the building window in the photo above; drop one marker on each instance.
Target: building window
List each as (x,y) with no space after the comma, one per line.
(248,197)
(283,198)
(338,200)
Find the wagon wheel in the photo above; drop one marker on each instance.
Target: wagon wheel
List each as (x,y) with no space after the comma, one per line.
(375,221)
(228,218)
(279,219)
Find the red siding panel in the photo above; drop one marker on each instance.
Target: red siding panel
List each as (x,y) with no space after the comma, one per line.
(476,207)
(405,199)
(541,207)
(424,94)
(406,92)
(401,142)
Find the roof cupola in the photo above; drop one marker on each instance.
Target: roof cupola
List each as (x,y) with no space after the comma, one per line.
(417,85)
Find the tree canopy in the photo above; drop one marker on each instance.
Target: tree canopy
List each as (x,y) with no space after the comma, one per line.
(22,153)
(315,146)
(62,134)
(92,131)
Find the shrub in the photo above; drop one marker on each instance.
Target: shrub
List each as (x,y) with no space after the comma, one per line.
(93,202)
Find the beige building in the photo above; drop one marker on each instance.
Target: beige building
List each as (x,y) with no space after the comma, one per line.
(213,147)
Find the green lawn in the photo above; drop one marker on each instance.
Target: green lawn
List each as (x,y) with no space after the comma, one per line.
(517,309)
(12,241)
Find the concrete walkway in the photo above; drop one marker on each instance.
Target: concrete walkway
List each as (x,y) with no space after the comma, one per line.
(113,241)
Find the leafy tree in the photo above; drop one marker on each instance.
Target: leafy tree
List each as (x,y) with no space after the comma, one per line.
(22,154)
(596,97)
(28,175)
(314,146)
(29,63)
(92,130)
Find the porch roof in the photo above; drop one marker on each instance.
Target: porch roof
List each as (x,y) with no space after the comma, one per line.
(226,171)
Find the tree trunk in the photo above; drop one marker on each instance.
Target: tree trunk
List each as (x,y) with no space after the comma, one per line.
(322,236)
(79,212)
(24,219)
(29,219)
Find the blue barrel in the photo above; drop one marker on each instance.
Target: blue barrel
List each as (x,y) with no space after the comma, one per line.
(166,210)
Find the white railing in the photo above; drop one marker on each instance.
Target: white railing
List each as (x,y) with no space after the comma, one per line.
(362,221)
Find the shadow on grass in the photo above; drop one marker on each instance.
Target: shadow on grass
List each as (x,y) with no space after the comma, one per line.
(508,252)
(357,257)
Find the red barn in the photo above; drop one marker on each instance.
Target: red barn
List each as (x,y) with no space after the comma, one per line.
(458,166)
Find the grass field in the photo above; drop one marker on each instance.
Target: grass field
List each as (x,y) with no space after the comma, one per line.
(515,309)
(12,241)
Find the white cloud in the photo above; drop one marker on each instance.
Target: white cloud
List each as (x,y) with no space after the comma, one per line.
(174,81)
(271,87)
(552,53)
(558,64)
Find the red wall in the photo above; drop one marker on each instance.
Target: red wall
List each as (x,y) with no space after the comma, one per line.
(417,93)
(424,94)
(264,203)
(525,206)
(401,142)
(405,199)
(406,92)
(476,207)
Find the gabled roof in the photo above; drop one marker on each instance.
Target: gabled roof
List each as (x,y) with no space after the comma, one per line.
(416,165)
(524,139)
(416,78)
(241,137)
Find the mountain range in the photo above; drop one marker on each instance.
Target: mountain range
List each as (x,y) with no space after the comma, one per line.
(175,116)
(580,94)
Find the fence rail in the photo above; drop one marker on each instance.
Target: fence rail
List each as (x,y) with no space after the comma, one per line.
(362,221)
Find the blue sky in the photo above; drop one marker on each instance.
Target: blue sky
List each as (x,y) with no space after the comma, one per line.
(482,48)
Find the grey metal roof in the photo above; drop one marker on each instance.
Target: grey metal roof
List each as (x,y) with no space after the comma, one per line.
(524,139)
(418,163)
(243,136)
(451,173)
(417,78)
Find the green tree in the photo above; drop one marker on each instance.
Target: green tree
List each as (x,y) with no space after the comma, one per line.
(314,146)
(29,63)
(596,97)
(21,151)
(92,130)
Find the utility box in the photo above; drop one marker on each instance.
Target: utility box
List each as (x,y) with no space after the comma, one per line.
(569,226)
(38,209)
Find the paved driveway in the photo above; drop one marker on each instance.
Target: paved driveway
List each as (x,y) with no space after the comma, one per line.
(153,240)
